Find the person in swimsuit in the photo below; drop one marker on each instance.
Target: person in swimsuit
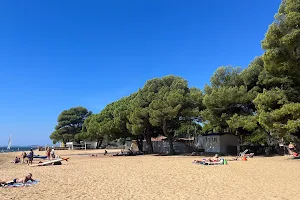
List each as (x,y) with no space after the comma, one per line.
(18,180)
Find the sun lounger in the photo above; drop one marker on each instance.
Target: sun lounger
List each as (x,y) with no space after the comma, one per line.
(250,155)
(244,153)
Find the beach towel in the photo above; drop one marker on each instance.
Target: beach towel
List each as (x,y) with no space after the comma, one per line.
(29,183)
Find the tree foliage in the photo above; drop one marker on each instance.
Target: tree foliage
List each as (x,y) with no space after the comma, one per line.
(69,124)
(259,103)
(282,42)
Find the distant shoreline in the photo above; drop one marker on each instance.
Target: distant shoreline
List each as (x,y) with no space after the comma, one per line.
(4,149)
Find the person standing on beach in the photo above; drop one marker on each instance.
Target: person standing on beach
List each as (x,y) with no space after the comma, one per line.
(24,155)
(52,153)
(48,151)
(30,156)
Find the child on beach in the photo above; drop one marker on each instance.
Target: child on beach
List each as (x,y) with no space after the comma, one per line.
(17,160)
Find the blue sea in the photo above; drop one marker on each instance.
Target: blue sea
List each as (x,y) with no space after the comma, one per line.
(15,149)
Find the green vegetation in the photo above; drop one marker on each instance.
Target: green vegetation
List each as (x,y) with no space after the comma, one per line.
(260,103)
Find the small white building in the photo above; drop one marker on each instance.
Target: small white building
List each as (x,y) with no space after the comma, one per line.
(217,143)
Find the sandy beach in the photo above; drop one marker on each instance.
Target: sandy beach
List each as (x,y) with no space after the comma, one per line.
(154,177)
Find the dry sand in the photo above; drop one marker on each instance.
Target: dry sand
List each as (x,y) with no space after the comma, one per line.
(154,177)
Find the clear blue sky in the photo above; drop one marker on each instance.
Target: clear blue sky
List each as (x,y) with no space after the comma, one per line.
(59,54)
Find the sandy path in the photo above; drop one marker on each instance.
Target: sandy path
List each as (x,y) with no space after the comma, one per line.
(152,177)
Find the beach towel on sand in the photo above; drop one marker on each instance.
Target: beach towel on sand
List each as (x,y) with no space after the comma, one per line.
(29,183)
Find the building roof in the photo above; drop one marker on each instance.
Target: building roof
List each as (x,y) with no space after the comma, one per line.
(159,138)
(215,134)
(184,139)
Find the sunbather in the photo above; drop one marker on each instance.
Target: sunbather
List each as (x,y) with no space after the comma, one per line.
(214,159)
(18,180)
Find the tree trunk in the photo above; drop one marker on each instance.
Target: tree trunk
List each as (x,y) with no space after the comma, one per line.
(170,137)
(139,140)
(149,146)
(268,149)
(99,142)
(148,140)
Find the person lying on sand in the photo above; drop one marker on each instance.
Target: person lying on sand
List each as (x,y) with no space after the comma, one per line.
(18,180)
(244,158)
(121,153)
(214,159)
(130,153)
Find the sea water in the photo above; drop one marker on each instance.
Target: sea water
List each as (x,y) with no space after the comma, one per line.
(15,149)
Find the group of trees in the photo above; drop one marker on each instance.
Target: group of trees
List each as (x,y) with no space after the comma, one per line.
(164,106)
(260,103)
